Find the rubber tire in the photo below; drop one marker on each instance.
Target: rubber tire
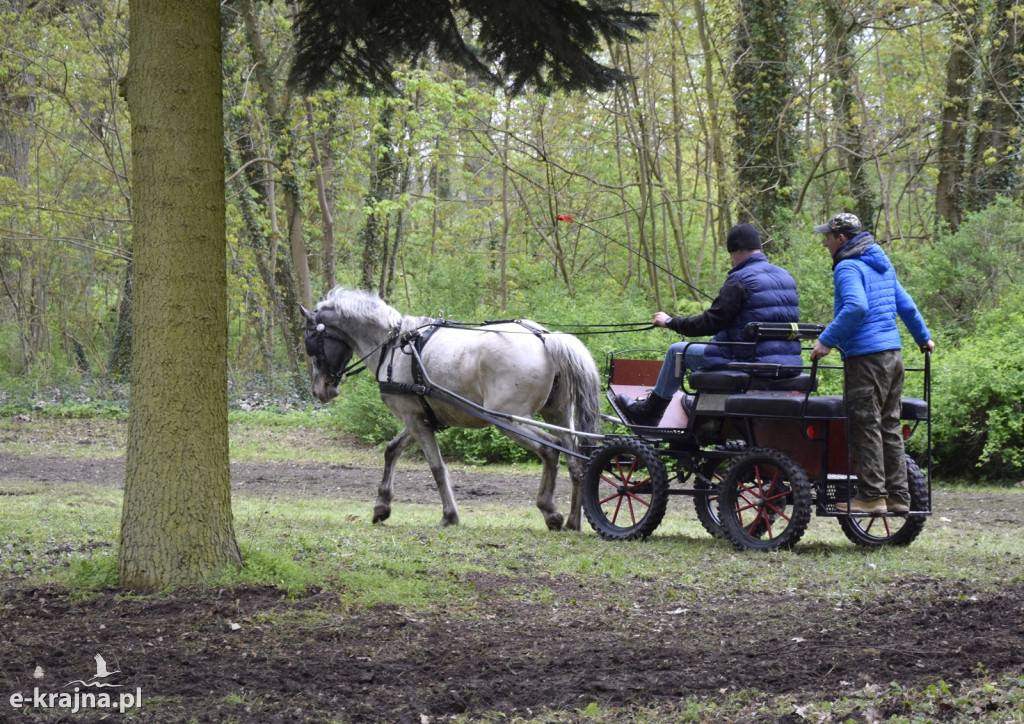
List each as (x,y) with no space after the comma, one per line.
(744,485)
(706,506)
(865,531)
(623,477)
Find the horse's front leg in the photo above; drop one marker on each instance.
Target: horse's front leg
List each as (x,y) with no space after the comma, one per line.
(386,491)
(431,450)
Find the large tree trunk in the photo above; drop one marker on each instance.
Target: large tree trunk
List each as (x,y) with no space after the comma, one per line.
(852,148)
(373,237)
(956,109)
(176,524)
(995,159)
(764,115)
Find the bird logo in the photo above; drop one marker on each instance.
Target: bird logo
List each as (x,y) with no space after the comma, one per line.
(101,673)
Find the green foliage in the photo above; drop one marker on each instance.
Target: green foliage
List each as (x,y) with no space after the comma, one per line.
(803,256)
(359,411)
(979,399)
(57,392)
(481,446)
(93,573)
(966,273)
(270,568)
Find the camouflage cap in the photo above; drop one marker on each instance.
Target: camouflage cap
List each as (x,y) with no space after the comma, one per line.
(846,224)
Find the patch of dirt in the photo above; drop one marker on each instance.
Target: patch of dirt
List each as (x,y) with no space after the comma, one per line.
(332,481)
(213,656)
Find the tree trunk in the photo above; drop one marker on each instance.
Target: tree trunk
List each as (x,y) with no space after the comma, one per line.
(323,170)
(762,89)
(995,160)
(852,148)
(176,523)
(373,236)
(119,360)
(956,108)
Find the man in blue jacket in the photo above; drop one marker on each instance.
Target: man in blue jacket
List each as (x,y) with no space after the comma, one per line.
(754,291)
(867,300)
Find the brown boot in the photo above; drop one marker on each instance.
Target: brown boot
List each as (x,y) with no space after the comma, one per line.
(896,504)
(860,505)
(646,410)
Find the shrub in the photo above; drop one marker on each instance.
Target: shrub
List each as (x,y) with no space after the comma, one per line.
(970,271)
(977,403)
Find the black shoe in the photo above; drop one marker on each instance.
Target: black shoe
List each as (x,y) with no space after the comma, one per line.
(645,410)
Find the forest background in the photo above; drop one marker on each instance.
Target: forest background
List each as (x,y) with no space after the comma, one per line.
(444,197)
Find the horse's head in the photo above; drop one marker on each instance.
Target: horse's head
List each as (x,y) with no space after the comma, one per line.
(329,351)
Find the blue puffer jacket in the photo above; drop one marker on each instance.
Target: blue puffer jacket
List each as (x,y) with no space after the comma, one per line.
(868,298)
(772,297)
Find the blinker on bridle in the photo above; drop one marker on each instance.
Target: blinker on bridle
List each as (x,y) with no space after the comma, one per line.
(319,354)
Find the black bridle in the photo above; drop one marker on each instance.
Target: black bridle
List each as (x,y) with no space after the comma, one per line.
(317,333)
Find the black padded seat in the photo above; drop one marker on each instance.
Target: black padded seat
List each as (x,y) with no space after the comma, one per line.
(800,383)
(914,409)
(721,381)
(767,404)
(732,381)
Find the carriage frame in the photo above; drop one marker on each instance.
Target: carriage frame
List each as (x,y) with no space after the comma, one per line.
(757,453)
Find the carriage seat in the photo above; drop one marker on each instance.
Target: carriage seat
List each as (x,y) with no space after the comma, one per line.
(734,381)
(818,407)
(913,409)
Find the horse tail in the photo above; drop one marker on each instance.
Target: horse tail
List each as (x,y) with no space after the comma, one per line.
(579,386)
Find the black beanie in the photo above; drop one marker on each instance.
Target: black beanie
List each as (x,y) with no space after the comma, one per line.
(742,236)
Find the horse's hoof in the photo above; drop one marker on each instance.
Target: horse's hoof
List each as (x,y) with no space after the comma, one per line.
(554,522)
(446,521)
(380,514)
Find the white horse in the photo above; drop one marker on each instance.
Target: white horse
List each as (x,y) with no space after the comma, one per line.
(510,368)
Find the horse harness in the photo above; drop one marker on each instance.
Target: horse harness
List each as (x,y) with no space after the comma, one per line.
(414,342)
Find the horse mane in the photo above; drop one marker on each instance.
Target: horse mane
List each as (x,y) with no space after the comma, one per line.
(350,303)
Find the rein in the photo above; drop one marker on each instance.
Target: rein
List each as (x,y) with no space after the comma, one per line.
(577,329)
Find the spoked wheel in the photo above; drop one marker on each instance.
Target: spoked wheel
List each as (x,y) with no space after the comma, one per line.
(764,501)
(901,530)
(625,489)
(710,478)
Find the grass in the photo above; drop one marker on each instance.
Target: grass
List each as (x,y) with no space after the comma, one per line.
(66,533)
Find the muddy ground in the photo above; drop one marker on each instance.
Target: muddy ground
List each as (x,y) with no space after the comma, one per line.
(193,665)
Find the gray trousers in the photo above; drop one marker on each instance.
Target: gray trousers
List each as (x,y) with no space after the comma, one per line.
(874,386)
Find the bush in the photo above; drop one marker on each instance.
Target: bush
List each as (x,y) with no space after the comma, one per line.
(978,414)
(970,271)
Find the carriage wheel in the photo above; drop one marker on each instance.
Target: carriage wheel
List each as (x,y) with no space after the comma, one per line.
(764,501)
(625,489)
(873,532)
(710,478)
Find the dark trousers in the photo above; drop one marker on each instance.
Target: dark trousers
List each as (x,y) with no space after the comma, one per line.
(874,387)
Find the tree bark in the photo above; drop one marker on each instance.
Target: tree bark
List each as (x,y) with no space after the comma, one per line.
(995,167)
(956,109)
(176,523)
(852,148)
(762,95)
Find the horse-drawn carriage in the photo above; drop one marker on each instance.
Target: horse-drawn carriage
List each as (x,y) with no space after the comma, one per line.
(757,452)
